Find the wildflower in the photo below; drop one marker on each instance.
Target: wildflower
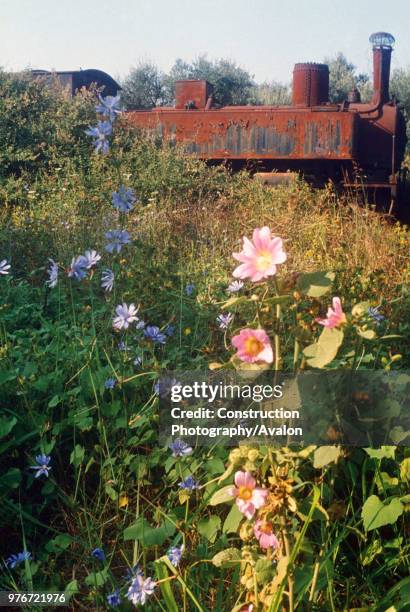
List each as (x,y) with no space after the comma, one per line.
(78,267)
(140,589)
(100,133)
(92,258)
(163,386)
(124,199)
(224,320)
(335,316)
(263,531)
(253,345)
(248,497)
(98,553)
(188,483)
(122,346)
(259,257)
(152,333)
(110,383)
(125,316)
(374,314)
(235,286)
(117,238)
(174,554)
(52,274)
(107,280)
(114,599)
(15,560)
(189,289)
(42,466)
(169,330)
(137,361)
(109,106)
(140,325)
(4,267)
(180,448)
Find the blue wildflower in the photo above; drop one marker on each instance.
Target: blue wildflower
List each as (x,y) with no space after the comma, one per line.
(98,553)
(78,268)
(107,280)
(138,361)
(110,383)
(188,483)
(374,314)
(235,286)
(100,133)
(140,589)
(42,467)
(117,239)
(189,289)
(4,267)
(52,274)
(224,320)
(174,554)
(114,599)
(180,448)
(140,325)
(152,333)
(15,560)
(124,199)
(91,258)
(109,106)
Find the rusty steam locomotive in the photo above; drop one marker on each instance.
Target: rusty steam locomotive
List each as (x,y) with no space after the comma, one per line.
(358,145)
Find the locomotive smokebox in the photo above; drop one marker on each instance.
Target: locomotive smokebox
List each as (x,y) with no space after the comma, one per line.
(310,84)
(382,47)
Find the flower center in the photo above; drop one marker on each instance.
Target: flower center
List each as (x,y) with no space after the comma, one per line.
(264,260)
(245,493)
(266,528)
(253,346)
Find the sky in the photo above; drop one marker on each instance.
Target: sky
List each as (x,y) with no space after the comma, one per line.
(266,37)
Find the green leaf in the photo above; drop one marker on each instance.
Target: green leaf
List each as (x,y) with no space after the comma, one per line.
(71,589)
(376,514)
(384,452)
(209,527)
(165,586)
(11,479)
(325,455)
(233,520)
(221,496)
(54,401)
(59,543)
(321,353)
(227,558)
(6,425)
(77,455)
(264,570)
(96,579)
(315,284)
(150,536)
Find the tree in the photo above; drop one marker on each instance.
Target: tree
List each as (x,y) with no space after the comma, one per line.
(400,87)
(231,83)
(343,78)
(273,94)
(144,87)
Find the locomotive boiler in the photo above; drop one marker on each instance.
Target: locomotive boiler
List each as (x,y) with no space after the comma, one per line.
(360,146)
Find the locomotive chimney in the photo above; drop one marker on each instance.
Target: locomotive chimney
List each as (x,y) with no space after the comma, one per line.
(382,47)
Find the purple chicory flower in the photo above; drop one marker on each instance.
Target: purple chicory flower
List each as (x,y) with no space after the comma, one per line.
(125,316)
(117,239)
(189,289)
(42,467)
(140,589)
(235,286)
(100,133)
(180,448)
(52,274)
(114,599)
(110,383)
(99,554)
(109,106)
(224,320)
(14,560)
(78,268)
(107,280)
(92,258)
(124,199)
(189,483)
(174,554)
(152,333)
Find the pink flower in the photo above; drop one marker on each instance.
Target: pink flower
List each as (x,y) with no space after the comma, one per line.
(335,316)
(253,345)
(260,256)
(263,531)
(248,497)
